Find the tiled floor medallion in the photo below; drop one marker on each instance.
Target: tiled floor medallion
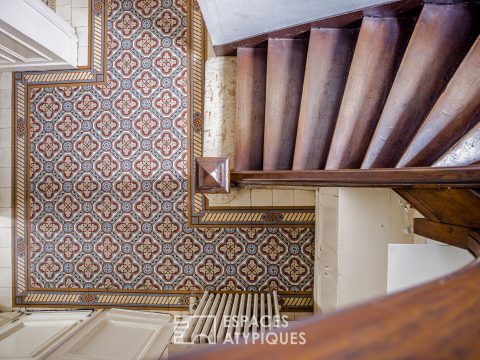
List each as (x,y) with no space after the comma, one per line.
(105,213)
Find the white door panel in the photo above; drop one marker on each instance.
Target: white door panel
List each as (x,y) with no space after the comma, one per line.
(33,37)
(119,334)
(33,336)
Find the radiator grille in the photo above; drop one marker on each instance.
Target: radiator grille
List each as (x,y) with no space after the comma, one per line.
(220,316)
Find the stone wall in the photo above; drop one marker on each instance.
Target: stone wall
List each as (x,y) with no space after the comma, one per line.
(219,132)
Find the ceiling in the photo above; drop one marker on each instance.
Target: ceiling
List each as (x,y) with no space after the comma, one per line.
(232,20)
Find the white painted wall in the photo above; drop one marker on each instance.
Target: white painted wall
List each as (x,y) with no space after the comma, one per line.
(363,232)
(353,229)
(411,265)
(220,111)
(326,250)
(369,220)
(231,20)
(75,12)
(5,191)
(34,37)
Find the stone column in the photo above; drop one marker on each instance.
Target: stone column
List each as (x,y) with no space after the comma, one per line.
(219,115)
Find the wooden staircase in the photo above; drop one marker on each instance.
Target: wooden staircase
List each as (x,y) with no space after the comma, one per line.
(390,100)
(397,95)
(347,106)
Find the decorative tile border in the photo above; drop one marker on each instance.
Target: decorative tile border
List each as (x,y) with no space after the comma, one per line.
(289,301)
(23,83)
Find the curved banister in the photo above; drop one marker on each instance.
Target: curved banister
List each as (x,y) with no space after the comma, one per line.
(440,319)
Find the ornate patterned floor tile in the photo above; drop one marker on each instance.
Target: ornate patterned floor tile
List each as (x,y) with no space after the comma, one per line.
(104,207)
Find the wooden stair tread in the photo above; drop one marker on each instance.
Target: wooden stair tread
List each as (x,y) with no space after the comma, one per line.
(438,44)
(378,52)
(285,71)
(455,112)
(465,152)
(330,52)
(250,110)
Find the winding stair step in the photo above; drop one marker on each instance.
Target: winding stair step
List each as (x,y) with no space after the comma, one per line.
(439,42)
(285,71)
(378,52)
(455,112)
(450,206)
(465,152)
(329,56)
(250,112)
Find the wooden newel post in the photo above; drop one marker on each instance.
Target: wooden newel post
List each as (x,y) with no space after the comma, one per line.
(212,175)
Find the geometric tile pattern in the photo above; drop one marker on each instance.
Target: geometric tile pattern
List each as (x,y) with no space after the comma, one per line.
(108,196)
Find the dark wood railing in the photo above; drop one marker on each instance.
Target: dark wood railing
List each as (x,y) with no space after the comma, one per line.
(421,177)
(440,319)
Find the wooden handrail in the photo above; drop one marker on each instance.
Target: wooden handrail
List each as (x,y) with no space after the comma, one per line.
(417,177)
(440,319)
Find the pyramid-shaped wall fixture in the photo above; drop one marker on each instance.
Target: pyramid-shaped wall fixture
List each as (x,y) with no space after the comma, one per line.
(212,175)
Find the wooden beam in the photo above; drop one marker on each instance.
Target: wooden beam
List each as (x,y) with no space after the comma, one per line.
(391,9)
(449,206)
(454,177)
(449,234)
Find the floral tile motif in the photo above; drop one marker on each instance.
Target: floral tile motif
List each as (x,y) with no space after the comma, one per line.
(108,190)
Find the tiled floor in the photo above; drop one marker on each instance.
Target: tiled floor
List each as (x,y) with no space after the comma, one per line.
(108,183)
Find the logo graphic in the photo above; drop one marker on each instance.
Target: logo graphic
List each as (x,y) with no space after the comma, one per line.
(233,329)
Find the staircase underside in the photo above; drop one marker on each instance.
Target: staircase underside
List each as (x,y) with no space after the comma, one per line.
(384,97)
(391,101)
(403,112)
